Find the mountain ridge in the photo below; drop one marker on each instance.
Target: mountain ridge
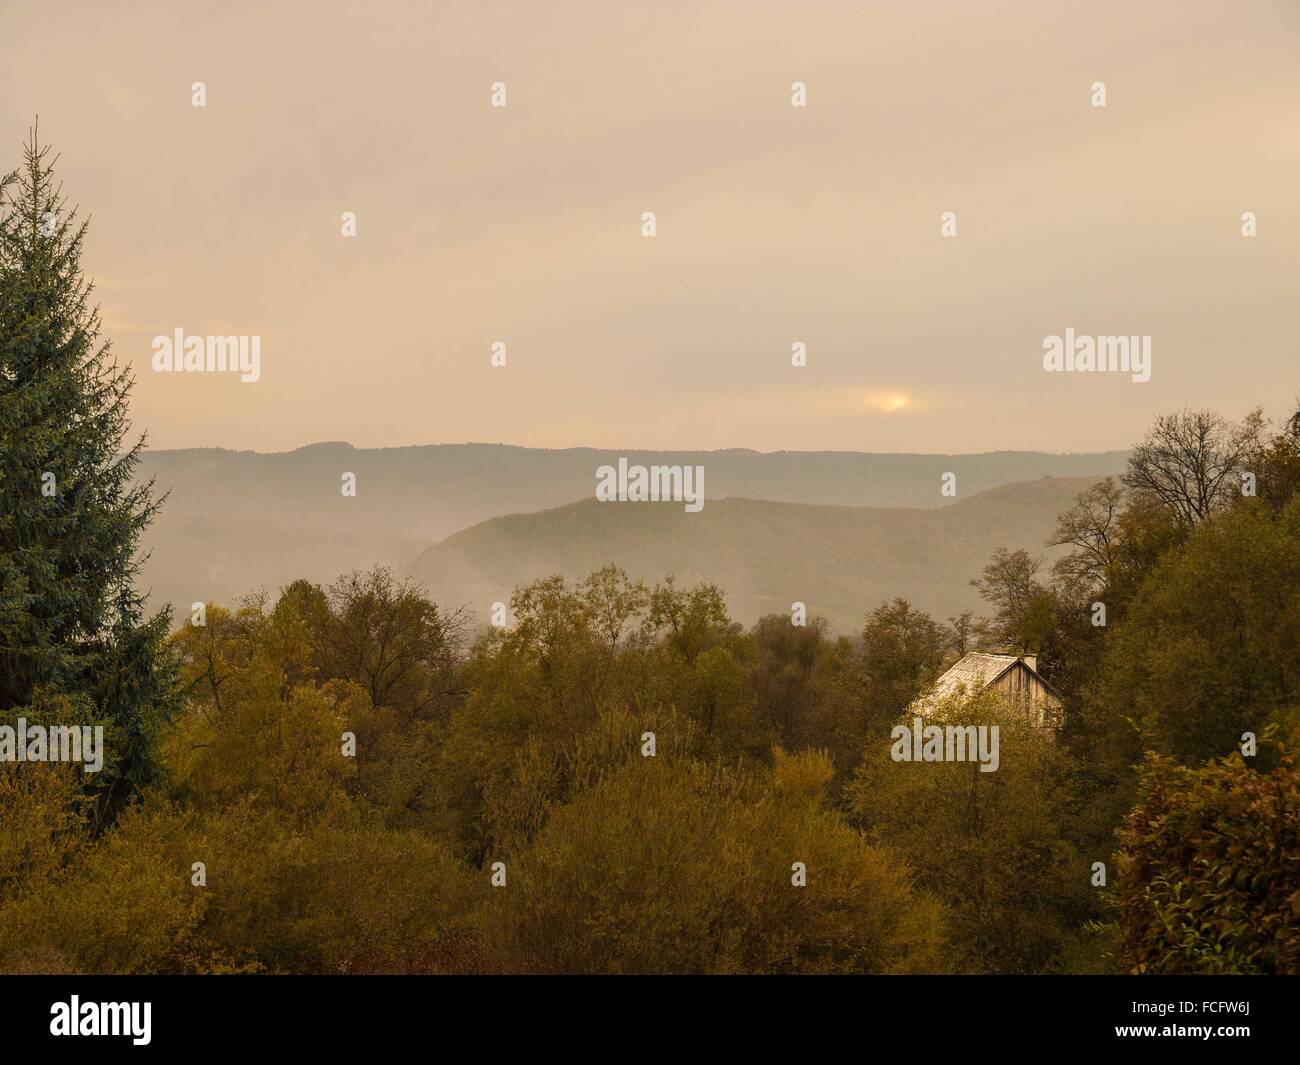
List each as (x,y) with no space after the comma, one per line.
(236,521)
(841,561)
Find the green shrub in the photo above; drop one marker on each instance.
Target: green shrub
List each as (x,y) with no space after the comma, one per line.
(1209,871)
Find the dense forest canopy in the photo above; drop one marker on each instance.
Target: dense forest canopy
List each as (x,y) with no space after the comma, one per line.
(356,765)
(359,777)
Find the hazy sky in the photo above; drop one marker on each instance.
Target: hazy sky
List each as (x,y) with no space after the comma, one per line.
(775,224)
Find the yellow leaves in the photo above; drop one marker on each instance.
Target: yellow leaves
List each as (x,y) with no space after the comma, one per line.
(40,819)
(341,894)
(124,907)
(804,775)
(674,866)
(283,753)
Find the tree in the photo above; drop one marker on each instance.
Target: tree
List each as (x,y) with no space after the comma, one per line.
(994,847)
(1209,873)
(962,632)
(902,650)
(1207,649)
(571,654)
(782,672)
(1025,615)
(1190,462)
(680,866)
(1275,462)
(339,894)
(387,636)
(1091,528)
(71,513)
(695,619)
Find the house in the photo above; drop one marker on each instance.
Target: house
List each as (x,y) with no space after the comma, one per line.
(1016,677)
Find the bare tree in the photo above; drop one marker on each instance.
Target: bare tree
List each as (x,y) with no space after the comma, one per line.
(962,632)
(1090,527)
(1190,462)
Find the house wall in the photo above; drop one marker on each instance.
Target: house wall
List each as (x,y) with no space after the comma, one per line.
(1022,685)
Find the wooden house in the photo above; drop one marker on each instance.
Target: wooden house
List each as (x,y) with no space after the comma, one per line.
(1015,677)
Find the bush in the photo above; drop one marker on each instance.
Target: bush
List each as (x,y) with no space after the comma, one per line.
(993,846)
(1209,871)
(682,867)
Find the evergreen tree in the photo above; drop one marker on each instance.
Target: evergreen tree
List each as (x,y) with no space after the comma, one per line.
(74,639)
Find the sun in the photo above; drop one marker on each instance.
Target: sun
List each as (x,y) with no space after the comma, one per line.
(887,402)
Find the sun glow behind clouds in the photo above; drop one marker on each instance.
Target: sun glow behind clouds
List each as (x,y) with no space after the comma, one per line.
(886,402)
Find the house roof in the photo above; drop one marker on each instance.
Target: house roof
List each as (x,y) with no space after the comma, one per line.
(975,670)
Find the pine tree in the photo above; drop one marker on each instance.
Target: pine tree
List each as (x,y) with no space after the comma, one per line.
(74,637)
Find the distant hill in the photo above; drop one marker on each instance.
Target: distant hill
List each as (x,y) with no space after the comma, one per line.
(239,520)
(841,561)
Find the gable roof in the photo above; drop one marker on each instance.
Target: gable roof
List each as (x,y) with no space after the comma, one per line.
(976,670)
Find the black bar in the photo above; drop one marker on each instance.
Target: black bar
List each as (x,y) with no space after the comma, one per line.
(473,1016)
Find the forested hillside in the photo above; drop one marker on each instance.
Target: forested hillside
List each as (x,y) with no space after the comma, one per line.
(625,779)
(765,555)
(290,505)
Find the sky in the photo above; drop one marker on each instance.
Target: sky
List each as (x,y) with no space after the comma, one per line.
(774,224)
